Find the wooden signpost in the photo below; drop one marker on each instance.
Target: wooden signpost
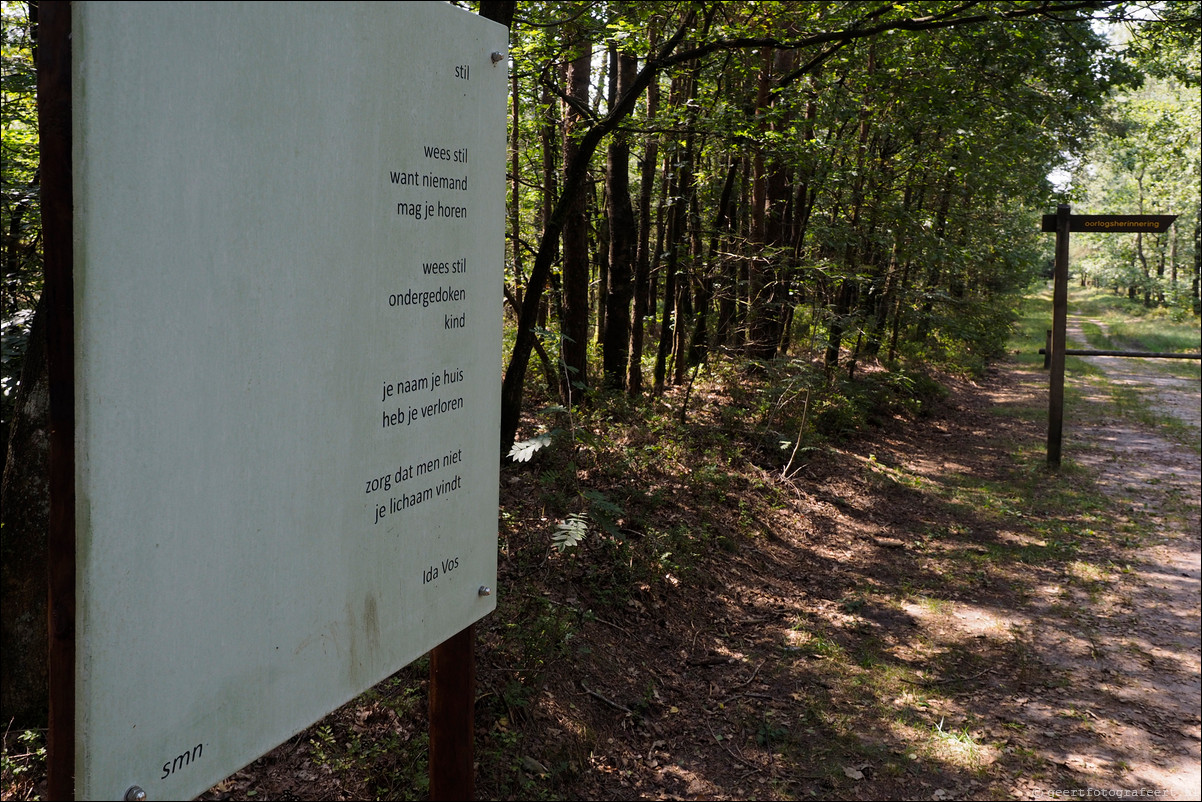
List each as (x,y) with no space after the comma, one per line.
(274,262)
(1064,222)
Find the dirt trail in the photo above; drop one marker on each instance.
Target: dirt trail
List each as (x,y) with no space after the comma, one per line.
(1070,666)
(1144,649)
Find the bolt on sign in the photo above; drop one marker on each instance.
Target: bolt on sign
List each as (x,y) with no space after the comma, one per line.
(288,265)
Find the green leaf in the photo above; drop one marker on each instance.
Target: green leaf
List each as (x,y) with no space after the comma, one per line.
(570,532)
(524,450)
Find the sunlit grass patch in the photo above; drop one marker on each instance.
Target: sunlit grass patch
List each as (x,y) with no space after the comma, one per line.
(1133,403)
(1087,572)
(812,644)
(960,747)
(941,742)
(934,605)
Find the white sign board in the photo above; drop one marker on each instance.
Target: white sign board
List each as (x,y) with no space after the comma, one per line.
(288,280)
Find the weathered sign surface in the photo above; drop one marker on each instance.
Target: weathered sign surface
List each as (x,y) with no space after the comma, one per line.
(288,281)
(1113,223)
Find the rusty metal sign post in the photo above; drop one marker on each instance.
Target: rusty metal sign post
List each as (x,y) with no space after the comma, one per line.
(54,123)
(1064,222)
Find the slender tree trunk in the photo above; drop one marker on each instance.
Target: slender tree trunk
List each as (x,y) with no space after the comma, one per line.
(1143,268)
(515,204)
(936,271)
(898,313)
(622,244)
(882,301)
(1196,285)
(778,219)
(1173,260)
(642,279)
(849,285)
(683,317)
(550,198)
(689,228)
(715,267)
(1139,246)
(761,344)
(574,324)
(737,266)
(672,246)
(599,285)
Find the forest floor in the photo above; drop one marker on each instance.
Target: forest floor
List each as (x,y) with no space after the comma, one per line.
(923,611)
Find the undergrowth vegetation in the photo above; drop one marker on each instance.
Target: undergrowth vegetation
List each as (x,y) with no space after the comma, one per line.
(634,499)
(603,470)
(23,764)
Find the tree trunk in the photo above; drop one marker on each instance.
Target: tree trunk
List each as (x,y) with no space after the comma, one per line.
(573,326)
(928,305)
(540,272)
(515,203)
(715,267)
(24,657)
(549,138)
(675,224)
(761,342)
(690,228)
(677,166)
(622,245)
(778,213)
(642,277)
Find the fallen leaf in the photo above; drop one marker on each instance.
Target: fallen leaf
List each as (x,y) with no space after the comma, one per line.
(854,774)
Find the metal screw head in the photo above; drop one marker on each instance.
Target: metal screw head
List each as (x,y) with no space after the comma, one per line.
(485,590)
(135,794)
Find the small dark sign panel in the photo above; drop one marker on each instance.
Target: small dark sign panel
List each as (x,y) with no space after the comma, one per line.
(1113,223)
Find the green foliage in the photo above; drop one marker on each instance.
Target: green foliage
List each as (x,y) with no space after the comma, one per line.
(373,745)
(522,451)
(20,199)
(771,732)
(1146,161)
(1164,43)
(22,764)
(570,531)
(601,514)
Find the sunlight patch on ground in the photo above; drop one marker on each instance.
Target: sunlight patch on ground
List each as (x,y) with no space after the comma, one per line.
(969,620)
(1020,538)
(942,742)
